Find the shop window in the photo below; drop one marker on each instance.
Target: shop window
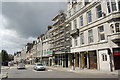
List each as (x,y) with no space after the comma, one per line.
(104,57)
(117,27)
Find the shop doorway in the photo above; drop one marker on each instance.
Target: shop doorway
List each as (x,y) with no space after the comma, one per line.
(83,60)
(77,60)
(116,53)
(71,59)
(92,59)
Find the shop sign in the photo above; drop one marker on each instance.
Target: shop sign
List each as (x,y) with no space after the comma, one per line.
(116,52)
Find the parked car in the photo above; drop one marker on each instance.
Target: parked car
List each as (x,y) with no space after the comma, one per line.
(39,66)
(21,66)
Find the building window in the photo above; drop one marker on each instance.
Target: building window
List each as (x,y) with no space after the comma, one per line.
(89,16)
(81,38)
(81,21)
(80,5)
(113,4)
(104,57)
(117,27)
(90,36)
(119,5)
(74,9)
(76,41)
(99,11)
(75,23)
(108,7)
(69,13)
(101,33)
(112,28)
(70,43)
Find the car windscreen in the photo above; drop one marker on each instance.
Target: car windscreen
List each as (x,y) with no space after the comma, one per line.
(39,65)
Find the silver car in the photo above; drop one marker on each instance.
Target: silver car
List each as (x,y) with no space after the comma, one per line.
(21,66)
(39,66)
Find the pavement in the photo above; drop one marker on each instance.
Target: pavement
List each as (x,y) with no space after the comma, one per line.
(82,71)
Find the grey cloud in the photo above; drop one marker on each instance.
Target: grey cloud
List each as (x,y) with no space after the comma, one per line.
(25,20)
(30,18)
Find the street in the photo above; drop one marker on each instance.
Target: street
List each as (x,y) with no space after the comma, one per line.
(13,72)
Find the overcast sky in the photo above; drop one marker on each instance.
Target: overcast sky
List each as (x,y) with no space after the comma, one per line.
(22,22)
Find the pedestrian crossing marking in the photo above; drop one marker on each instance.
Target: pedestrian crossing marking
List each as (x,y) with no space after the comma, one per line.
(42,71)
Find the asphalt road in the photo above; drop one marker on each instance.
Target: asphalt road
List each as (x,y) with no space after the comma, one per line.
(49,73)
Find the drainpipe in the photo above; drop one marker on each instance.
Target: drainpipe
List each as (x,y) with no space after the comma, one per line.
(74,61)
(110,56)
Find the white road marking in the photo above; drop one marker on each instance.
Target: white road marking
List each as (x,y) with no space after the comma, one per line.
(50,70)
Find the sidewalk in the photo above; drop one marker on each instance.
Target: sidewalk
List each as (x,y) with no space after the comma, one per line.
(5,67)
(82,71)
(27,66)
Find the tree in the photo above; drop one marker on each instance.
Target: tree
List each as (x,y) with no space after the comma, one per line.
(5,57)
(11,57)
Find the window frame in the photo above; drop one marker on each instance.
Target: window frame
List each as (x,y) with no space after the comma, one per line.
(81,20)
(76,41)
(75,23)
(74,9)
(89,16)
(117,28)
(112,28)
(99,11)
(90,36)
(104,57)
(101,33)
(113,5)
(82,39)
(108,6)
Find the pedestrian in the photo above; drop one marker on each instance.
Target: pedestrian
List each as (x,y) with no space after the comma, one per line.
(17,63)
(53,63)
(9,64)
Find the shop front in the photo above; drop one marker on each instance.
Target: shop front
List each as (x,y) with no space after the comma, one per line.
(71,59)
(45,60)
(83,60)
(77,59)
(116,54)
(92,59)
